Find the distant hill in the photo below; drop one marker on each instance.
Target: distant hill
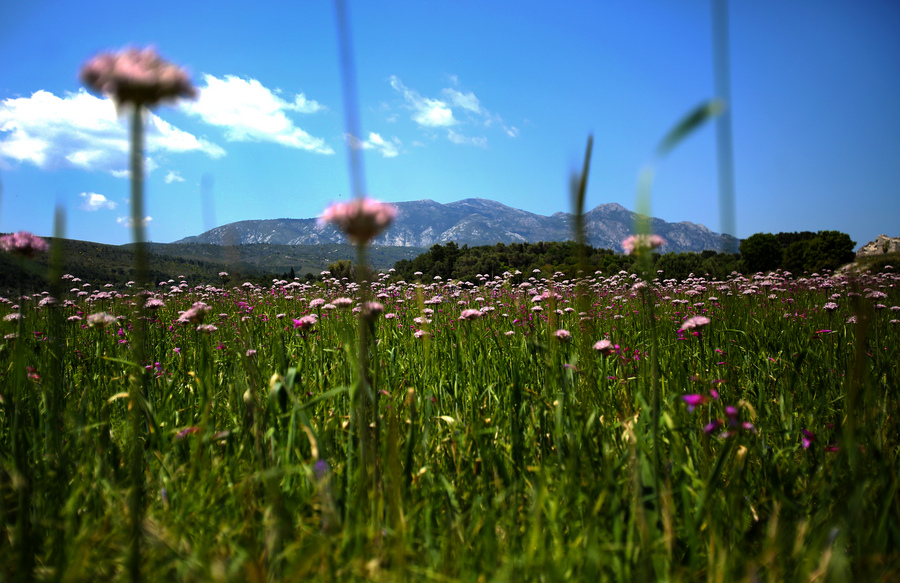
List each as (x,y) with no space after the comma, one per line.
(473,221)
(99,264)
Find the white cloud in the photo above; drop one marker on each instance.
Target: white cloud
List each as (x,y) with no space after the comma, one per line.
(83,131)
(388,149)
(127,222)
(426,112)
(466,101)
(431,113)
(458,138)
(248,111)
(95,202)
(173,176)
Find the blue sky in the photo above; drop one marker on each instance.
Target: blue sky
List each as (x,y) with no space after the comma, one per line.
(456,100)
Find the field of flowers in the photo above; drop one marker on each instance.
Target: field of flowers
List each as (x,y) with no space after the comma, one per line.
(527,427)
(617,427)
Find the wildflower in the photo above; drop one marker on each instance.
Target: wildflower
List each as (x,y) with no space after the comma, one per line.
(640,243)
(693,401)
(342,302)
(195,313)
(372,310)
(694,323)
(207,328)
(250,353)
(420,334)
(807,438)
(361,219)
(23,244)
(563,335)
(136,76)
(100,320)
(830,307)
(604,347)
(713,426)
(471,314)
(187,431)
(305,323)
(154,304)
(316,303)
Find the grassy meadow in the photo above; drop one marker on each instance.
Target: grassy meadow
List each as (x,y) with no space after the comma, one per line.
(483,433)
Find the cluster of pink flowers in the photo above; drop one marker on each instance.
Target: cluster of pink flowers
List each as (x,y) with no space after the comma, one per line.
(23,244)
(136,76)
(360,219)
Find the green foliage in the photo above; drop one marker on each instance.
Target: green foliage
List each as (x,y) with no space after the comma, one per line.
(762,252)
(502,451)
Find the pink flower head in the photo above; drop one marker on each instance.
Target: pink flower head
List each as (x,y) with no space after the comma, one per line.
(372,310)
(305,323)
(604,347)
(640,243)
(470,314)
(563,335)
(23,244)
(694,323)
(361,219)
(694,401)
(136,76)
(807,438)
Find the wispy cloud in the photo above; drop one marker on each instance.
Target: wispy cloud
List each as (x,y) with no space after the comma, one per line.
(80,130)
(251,112)
(127,222)
(455,110)
(426,112)
(458,138)
(388,149)
(94,202)
(173,176)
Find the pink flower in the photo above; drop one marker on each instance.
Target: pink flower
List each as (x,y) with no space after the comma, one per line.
(563,335)
(694,401)
(807,438)
(642,243)
(470,314)
(604,347)
(136,76)
(23,244)
(694,323)
(305,323)
(361,219)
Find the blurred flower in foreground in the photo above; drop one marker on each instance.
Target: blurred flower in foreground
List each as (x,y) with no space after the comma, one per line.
(23,244)
(360,219)
(639,243)
(136,76)
(694,323)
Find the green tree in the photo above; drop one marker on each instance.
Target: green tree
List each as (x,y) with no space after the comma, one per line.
(763,252)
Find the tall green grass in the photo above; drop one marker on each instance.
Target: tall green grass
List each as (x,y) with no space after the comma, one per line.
(505,453)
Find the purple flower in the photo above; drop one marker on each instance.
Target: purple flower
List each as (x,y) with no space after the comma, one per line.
(713,426)
(305,323)
(136,76)
(360,219)
(807,438)
(23,244)
(694,401)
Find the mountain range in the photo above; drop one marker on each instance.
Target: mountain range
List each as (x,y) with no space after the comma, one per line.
(472,221)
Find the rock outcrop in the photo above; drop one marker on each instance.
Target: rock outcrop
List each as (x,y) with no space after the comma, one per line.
(883,244)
